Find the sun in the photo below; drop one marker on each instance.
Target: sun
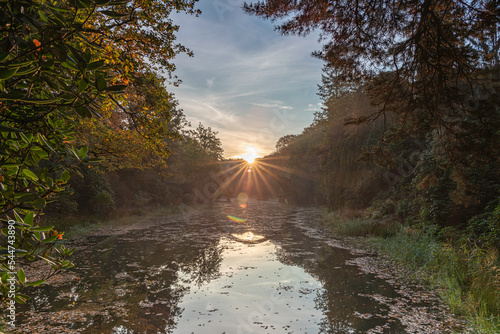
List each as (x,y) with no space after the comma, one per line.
(250,155)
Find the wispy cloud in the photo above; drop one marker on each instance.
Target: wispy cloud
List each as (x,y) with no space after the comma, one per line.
(242,74)
(315,107)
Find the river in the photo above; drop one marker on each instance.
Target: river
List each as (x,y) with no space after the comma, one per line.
(261,267)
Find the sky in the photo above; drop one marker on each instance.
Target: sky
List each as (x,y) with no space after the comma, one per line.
(245,81)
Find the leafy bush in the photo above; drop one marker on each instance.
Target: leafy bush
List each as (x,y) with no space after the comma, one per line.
(485,228)
(93,192)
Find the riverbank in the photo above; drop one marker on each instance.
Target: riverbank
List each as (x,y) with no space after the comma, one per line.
(464,275)
(82,225)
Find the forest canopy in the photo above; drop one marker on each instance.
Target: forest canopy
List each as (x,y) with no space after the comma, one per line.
(428,73)
(83,92)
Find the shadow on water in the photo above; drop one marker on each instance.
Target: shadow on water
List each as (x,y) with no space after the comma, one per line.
(264,269)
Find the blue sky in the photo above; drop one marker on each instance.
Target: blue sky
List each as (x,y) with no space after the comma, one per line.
(245,81)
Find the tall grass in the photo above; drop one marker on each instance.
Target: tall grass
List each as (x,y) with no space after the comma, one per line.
(353,224)
(466,276)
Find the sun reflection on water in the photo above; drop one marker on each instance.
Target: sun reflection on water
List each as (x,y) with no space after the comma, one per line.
(248,236)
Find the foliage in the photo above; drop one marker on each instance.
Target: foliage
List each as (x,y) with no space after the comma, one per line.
(283,144)
(26,242)
(60,64)
(134,132)
(92,192)
(484,229)
(206,141)
(430,72)
(295,164)
(466,275)
(196,156)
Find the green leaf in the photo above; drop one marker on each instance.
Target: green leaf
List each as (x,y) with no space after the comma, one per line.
(59,9)
(25,71)
(39,101)
(4,251)
(27,198)
(113,3)
(82,85)
(95,65)
(117,88)
(65,176)
(113,14)
(19,64)
(17,216)
(21,299)
(36,283)
(94,160)
(4,128)
(82,152)
(43,17)
(21,276)
(49,239)
(41,229)
(28,219)
(39,203)
(85,4)
(3,56)
(6,73)
(42,139)
(83,111)
(5,277)
(47,260)
(29,174)
(100,83)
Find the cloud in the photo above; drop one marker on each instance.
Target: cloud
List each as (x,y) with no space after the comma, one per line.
(277,104)
(210,82)
(245,80)
(315,107)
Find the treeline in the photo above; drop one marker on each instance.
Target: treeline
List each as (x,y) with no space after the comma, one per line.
(407,147)
(410,119)
(375,168)
(116,187)
(87,124)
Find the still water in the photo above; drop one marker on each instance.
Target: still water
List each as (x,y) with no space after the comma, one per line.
(263,268)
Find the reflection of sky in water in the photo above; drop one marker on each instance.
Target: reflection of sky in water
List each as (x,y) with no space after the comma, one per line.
(255,294)
(248,237)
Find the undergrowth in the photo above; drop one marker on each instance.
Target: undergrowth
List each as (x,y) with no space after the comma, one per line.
(466,274)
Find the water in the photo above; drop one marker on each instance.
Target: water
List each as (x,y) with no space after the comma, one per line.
(204,272)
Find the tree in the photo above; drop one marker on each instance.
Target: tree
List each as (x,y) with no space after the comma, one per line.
(207,141)
(61,62)
(429,67)
(419,57)
(283,144)
(195,156)
(134,132)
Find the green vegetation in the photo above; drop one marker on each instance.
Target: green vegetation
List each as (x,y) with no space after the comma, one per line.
(462,265)
(78,84)
(407,146)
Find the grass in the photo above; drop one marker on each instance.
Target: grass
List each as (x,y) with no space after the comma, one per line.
(466,276)
(352,224)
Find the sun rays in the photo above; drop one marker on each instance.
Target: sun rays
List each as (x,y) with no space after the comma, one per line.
(250,155)
(260,178)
